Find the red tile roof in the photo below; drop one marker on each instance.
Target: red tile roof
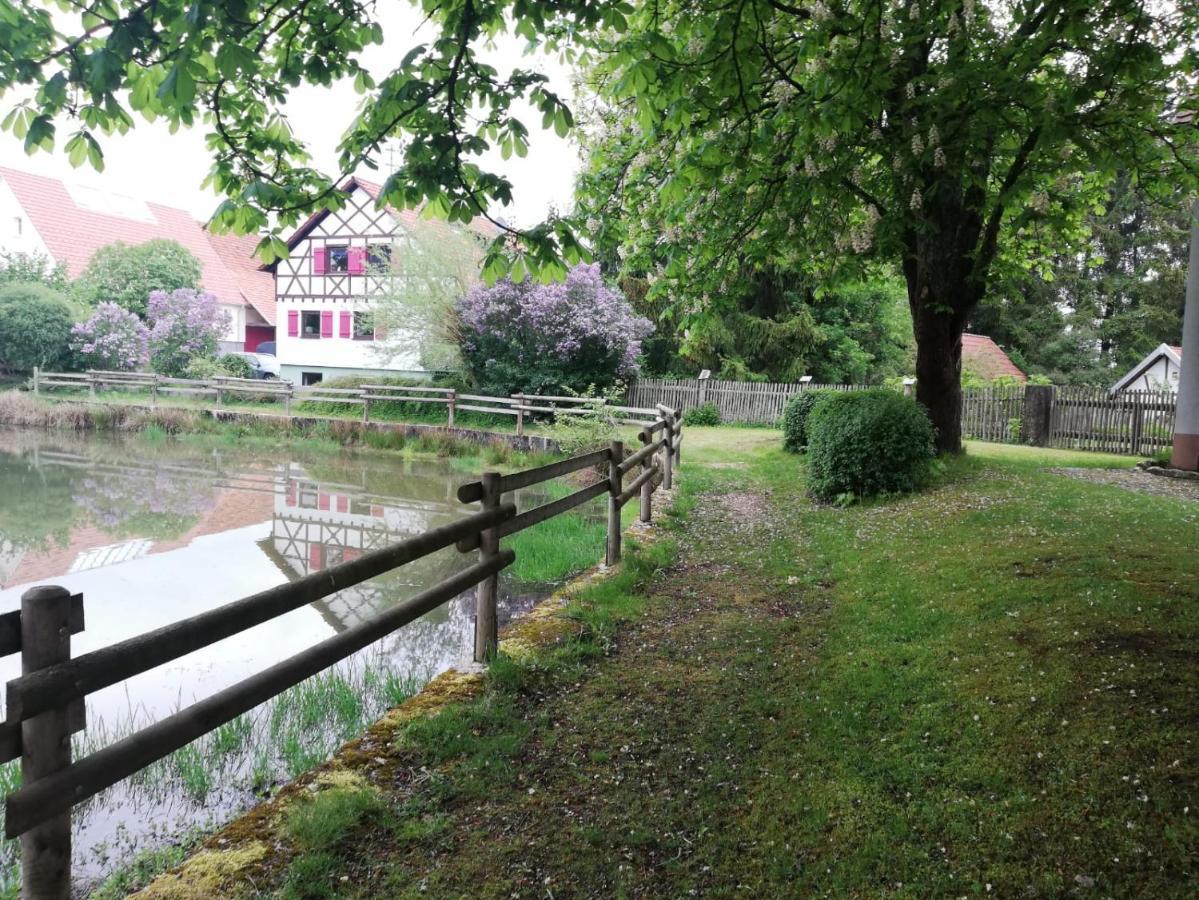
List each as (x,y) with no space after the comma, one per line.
(72,233)
(985,358)
(1177,351)
(257,286)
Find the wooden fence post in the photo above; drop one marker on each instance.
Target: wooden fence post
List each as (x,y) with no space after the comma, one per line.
(612,550)
(154,392)
(520,414)
(647,489)
(668,453)
(287,404)
(91,385)
(46,743)
(450,407)
(1036,414)
(486,626)
(366,407)
(1138,423)
(36,379)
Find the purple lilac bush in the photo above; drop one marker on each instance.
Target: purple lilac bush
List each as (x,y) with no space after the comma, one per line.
(183,324)
(532,337)
(113,339)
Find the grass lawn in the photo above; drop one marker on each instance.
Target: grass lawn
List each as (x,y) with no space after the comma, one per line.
(987,688)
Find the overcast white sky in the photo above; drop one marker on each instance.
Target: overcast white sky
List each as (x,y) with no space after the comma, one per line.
(151,164)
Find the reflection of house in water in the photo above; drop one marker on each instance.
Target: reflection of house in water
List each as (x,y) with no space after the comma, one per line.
(88,545)
(321,524)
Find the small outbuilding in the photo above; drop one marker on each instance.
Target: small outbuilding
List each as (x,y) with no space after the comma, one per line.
(1158,371)
(984,358)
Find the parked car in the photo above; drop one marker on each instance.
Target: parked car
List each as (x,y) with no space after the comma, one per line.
(262,365)
(267,348)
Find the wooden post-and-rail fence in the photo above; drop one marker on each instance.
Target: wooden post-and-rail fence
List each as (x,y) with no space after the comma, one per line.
(220,390)
(45,704)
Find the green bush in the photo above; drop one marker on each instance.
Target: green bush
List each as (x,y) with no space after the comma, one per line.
(863,443)
(235,366)
(795,419)
(35,327)
(202,368)
(706,414)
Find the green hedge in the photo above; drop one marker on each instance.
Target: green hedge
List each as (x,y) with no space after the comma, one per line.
(862,443)
(795,418)
(705,414)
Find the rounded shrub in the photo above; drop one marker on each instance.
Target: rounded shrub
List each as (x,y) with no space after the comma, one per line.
(870,442)
(705,414)
(795,418)
(35,325)
(235,366)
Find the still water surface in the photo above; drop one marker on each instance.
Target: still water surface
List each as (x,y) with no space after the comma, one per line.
(153,532)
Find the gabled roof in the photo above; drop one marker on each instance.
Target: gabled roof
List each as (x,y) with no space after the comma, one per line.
(75,222)
(985,358)
(406,217)
(1174,354)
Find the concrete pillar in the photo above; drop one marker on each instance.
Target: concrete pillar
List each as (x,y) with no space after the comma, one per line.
(1186,425)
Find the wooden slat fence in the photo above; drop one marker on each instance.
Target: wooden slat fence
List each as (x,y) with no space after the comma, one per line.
(1137,423)
(1132,422)
(992,413)
(44,705)
(739,402)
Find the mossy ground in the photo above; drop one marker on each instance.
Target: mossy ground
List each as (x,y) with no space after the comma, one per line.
(984,689)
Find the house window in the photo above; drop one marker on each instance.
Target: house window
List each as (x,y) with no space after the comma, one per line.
(307,379)
(364,326)
(339,259)
(311,324)
(308,496)
(379,256)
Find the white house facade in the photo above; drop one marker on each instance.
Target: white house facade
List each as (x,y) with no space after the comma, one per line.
(1159,371)
(328,286)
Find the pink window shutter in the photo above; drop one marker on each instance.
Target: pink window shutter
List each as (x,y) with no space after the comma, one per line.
(320,260)
(293,323)
(345,324)
(356,261)
(326,323)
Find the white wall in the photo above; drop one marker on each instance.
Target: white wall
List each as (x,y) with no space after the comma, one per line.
(1162,375)
(235,334)
(17,234)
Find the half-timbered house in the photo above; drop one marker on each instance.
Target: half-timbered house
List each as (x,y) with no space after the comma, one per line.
(327,287)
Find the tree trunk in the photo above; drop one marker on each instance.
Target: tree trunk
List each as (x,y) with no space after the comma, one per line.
(939,372)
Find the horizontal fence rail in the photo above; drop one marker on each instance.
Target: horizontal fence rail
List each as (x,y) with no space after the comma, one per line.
(45,704)
(222,389)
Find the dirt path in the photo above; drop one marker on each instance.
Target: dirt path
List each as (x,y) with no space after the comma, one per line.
(666,729)
(1139,481)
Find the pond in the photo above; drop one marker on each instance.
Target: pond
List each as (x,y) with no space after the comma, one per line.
(151,532)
